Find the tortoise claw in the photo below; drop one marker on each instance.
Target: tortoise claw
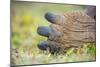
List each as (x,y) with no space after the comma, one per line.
(50,17)
(44,31)
(43,46)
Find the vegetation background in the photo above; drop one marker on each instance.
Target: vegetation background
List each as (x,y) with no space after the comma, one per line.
(25,19)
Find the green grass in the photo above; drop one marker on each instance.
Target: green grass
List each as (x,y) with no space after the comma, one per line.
(26,17)
(35,56)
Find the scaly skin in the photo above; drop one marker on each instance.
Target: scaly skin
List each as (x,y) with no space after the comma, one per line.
(66,31)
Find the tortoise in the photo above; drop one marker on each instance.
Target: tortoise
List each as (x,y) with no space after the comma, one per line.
(67,30)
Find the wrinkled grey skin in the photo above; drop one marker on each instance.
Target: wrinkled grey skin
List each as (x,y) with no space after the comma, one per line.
(52,32)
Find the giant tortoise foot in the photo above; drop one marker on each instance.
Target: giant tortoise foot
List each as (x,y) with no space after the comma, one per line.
(67,30)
